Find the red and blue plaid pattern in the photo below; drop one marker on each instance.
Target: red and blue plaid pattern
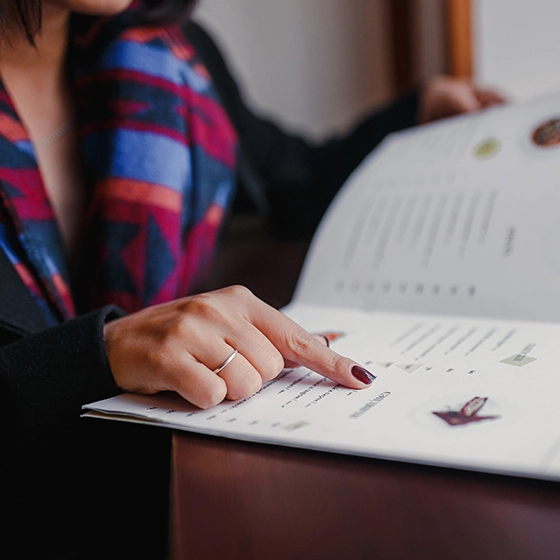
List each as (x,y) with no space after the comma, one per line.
(159,156)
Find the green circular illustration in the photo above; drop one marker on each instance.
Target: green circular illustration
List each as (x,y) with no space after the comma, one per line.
(487,148)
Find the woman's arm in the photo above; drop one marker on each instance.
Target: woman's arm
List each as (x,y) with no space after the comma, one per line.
(51,457)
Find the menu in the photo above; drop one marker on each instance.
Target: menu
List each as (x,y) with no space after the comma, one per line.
(438,268)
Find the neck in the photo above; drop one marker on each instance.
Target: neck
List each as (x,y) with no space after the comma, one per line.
(47,57)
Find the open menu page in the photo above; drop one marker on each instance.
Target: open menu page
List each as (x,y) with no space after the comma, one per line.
(438,268)
(475,394)
(457,217)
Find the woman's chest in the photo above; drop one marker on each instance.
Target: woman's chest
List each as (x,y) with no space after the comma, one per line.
(60,167)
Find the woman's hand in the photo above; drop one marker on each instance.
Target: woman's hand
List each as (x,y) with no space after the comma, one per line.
(445,96)
(177,346)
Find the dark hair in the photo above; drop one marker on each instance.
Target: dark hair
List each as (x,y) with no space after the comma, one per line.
(28,14)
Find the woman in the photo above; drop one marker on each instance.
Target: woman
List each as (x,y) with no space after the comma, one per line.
(117,163)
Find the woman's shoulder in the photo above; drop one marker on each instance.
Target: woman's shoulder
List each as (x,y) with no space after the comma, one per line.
(124,43)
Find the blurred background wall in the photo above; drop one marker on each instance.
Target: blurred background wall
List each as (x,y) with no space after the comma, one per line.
(516,45)
(317,65)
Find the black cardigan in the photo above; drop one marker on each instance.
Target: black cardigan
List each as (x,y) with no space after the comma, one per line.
(55,467)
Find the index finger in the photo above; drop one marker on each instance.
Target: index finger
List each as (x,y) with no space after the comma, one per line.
(301,347)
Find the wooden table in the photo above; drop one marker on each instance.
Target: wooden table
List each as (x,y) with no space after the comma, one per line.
(234,500)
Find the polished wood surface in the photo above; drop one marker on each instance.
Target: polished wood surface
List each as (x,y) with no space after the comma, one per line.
(235,500)
(247,501)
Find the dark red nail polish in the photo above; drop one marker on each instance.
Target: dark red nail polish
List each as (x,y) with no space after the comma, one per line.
(363,375)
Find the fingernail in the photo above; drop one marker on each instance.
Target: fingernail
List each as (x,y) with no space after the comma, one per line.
(363,375)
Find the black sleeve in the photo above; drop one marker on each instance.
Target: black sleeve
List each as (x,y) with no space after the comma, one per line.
(303,178)
(290,179)
(63,475)
(45,379)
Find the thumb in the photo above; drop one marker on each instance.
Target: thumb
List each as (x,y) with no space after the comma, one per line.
(466,100)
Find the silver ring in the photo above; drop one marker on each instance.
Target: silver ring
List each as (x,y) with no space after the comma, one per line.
(227,362)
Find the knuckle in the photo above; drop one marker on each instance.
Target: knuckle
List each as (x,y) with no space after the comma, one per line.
(239,291)
(342,372)
(210,395)
(273,365)
(202,307)
(246,388)
(300,341)
(341,365)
